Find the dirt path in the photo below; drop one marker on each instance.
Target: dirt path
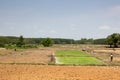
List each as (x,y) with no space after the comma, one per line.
(39,72)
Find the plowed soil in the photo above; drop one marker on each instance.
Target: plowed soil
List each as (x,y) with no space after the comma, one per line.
(45,72)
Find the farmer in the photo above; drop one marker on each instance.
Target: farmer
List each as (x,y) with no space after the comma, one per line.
(111,57)
(15,49)
(52,57)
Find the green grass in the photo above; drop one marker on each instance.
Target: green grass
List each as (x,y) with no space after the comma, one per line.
(71,53)
(80,60)
(77,57)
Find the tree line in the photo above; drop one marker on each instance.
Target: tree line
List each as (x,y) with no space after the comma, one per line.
(14,40)
(113,40)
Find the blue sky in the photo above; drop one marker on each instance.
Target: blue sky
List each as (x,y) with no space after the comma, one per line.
(74,19)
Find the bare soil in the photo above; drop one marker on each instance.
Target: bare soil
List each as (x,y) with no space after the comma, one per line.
(104,55)
(41,56)
(50,72)
(39,72)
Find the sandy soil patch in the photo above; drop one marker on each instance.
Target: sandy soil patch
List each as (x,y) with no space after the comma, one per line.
(26,56)
(39,72)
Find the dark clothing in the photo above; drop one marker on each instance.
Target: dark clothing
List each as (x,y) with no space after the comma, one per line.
(111,57)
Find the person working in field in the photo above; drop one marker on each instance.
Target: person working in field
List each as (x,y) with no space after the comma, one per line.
(111,57)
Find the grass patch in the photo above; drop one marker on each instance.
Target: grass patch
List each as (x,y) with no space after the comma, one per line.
(77,58)
(71,53)
(80,60)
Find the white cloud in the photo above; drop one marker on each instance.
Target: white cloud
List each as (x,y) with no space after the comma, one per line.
(106,30)
(73,27)
(53,32)
(113,11)
(116,8)
(105,27)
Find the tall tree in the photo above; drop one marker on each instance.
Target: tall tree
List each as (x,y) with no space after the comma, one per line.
(113,39)
(20,41)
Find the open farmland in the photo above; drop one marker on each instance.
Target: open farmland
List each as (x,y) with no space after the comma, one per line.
(76,57)
(39,72)
(104,55)
(29,71)
(26,56)
(43,55)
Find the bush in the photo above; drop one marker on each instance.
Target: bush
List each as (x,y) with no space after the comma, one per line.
(47,42)
(29,46)
(10,46)
(2,45)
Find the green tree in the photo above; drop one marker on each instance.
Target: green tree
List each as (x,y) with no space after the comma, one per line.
(113,39)
(20,42)
(47,42)
(109,41)
(2,45)
(100,41)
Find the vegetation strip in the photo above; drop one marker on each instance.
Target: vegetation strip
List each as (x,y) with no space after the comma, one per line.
(84,59)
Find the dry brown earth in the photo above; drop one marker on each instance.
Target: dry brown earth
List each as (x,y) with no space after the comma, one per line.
(39,72)
(104,55)
(47,72)
(41,56)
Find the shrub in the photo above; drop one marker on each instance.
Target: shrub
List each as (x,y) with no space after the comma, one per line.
(29,46)
(1,45)
(47,42)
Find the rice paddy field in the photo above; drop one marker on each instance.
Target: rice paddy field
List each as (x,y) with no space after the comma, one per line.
(77,58)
